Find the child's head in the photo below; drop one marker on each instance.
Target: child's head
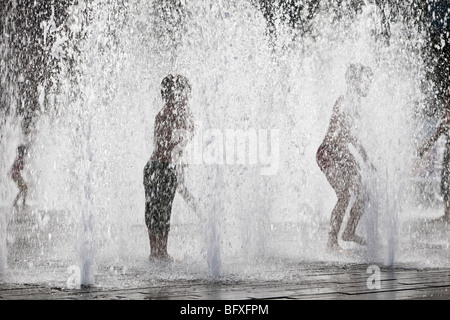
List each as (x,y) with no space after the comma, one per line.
(175,88)
(359,78)
(21,150)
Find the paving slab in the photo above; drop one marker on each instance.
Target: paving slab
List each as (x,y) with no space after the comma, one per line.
(327,283)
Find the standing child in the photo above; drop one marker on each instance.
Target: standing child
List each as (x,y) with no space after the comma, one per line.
(163,174)
(16,175)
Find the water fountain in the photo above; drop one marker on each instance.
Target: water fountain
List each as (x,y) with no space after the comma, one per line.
(89,149)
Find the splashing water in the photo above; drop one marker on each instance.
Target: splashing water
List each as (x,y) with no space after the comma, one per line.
(89,151)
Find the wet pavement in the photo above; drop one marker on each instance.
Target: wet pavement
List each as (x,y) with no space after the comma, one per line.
(284,278)
(313,281)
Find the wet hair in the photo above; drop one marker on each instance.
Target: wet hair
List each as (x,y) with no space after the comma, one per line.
(175,87)
(356,72)
(21,150)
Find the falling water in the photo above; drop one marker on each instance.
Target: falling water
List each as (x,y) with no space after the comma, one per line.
(90,148)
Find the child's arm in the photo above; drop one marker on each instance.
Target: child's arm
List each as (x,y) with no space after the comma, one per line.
(431,141)
(183,190)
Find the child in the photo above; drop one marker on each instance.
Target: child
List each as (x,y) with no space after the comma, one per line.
(162,175)
(16,175)
(337,161)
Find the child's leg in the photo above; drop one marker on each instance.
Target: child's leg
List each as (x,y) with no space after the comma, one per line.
(337,216)
(349,233)
(339,182)
(24,191)
(19,194)
(446,216)
(445,188)
(16,199)
(355,214)
(155,245)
